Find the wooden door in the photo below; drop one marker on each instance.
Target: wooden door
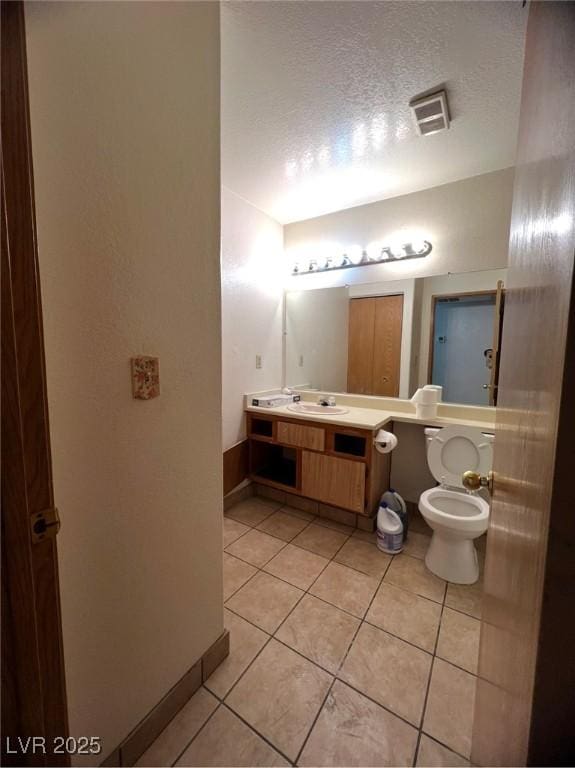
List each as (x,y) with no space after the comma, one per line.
(374,345)
(33,687)
(340,482)
(524,705)
(496,346)
(360,346)
(387,345)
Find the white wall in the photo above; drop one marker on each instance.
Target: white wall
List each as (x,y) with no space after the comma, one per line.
(125,132)
(316,333)
(410,474)
(467,223)
(252,300)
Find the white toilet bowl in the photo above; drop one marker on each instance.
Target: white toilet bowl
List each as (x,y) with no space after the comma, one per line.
(456,518)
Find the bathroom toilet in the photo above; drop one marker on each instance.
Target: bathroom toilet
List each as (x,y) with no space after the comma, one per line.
(456,516)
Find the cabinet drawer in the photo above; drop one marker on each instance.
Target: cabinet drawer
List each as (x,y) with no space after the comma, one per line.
(335,481)
(301,436)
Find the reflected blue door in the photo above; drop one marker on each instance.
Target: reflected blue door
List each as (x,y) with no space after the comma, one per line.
(463,330)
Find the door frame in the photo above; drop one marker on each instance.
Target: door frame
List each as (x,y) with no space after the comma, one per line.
(434,299)
(33,680)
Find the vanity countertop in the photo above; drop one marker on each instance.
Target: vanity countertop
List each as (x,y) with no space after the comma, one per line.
(372,418)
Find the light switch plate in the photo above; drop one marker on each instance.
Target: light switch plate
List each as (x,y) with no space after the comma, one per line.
(145,377)
(258,361)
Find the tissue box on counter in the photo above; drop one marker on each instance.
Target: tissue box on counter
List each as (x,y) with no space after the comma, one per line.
(273,401)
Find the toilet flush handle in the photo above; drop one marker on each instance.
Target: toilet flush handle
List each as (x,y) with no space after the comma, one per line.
(473,481)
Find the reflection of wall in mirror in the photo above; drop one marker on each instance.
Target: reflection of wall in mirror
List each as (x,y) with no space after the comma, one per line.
(316,338)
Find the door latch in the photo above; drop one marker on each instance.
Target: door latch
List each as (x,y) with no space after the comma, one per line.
(44,525)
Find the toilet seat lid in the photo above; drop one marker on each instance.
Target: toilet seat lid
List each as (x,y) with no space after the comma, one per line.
(457,449)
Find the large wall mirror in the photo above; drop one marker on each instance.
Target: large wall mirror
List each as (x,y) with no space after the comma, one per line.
(390,338)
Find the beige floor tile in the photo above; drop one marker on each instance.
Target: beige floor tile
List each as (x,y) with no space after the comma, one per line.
(345,588)
(389,671)
(321,540)
(253,510)
(246,641)
(409,616)
(465,597)
(411,574)
(431,754)
(265,601)
(267,493)
(353,731)
(334,525)
(450,705)
(319,631)
(181,730)
(370,536)
(280,695)
(417,544)
(236,573)
(283,525)
(301,507)
(417,523)
(226,741)
(364,557)
(256,547)
(233,530)
(298,566)
(459,639)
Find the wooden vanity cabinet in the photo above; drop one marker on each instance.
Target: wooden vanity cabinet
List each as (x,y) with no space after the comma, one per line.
(335,481)
(335,465)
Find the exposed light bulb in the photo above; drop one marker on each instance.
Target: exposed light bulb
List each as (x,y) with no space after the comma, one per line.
(355,254)
(374,251)
(397,251)
(418,246)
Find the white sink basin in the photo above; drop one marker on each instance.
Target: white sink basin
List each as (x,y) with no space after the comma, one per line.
(326,410)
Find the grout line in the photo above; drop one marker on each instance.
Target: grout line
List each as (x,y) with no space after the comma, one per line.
(426,697)
(253,565)
(261,736)
(245,582)
(200,729)
(316,718)
(342,662)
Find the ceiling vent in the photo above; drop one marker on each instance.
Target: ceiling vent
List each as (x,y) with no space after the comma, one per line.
(431,113)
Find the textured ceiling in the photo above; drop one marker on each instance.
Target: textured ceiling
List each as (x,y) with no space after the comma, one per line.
(315,97)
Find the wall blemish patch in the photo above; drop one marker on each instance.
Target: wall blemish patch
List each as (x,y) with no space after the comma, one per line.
(145,377)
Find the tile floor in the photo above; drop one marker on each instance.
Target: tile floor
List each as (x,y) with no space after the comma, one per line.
(340,654)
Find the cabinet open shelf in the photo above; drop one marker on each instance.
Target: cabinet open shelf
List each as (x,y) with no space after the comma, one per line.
(274,464)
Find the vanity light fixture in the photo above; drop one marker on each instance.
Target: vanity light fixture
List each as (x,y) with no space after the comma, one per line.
(358,257)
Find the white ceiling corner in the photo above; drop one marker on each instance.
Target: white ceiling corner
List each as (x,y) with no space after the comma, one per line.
(315,98)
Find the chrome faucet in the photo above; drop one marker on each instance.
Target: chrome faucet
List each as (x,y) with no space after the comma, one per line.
(326,401)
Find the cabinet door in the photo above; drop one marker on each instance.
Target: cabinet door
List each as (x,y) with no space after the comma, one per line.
(335,481)
(387,345)
(360,346)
